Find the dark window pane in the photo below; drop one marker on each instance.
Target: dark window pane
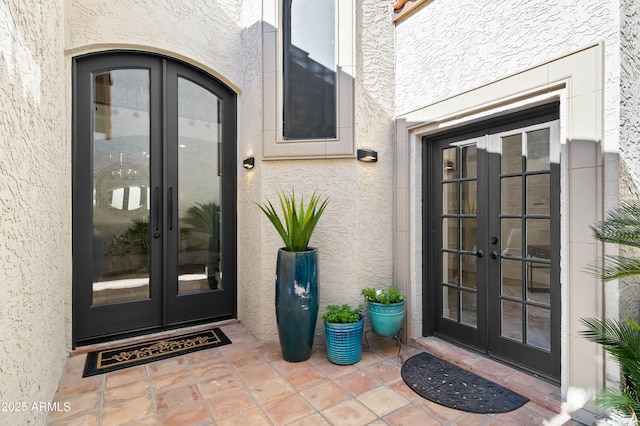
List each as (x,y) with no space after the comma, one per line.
(511,158)
(449,163)
(309,70)
(538,150)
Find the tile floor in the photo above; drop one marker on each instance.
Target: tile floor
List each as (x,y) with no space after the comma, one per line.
(248,383)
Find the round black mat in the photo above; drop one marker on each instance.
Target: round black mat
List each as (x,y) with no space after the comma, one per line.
(445,384)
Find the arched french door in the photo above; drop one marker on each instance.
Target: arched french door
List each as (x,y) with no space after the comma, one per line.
(154,190)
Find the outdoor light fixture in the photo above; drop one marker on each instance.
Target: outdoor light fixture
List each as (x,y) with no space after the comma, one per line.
(368,155)
(248,163)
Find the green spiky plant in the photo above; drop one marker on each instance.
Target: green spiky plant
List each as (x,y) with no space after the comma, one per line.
(621,339)
(299,221)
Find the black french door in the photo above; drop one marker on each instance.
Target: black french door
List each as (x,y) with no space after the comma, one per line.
(154,196)
(492,238)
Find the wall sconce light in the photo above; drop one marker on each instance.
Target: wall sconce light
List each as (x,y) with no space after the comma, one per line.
(368,155)
(249,163)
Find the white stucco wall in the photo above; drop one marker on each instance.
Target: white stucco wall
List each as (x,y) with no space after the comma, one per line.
(630,133)
(203,33)
(354,235)
(35,206)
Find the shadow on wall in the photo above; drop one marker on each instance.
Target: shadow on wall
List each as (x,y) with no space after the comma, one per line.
(18,59)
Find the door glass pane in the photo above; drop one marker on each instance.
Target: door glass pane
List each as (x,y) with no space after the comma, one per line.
(199,177)
(538,194)
(469,271)
(512,236)
(469,197)
(450,198)
(450,268)
(539,327)
(469,232)
(538,150)
(511,279)
(469,308)
(538,279)
(511,197)
(449,303)
(538,238)
(450,233)
(469,161)
(511,158)
(449,164)
(511,324)
(121,186)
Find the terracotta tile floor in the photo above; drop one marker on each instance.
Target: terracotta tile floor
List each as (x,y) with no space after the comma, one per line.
(248,383)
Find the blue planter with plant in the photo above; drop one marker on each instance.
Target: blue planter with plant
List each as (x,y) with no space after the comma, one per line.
(296,274)
(386,310)
(343,328)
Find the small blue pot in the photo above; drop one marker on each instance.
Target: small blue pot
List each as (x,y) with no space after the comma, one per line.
(386,320)
(344,341)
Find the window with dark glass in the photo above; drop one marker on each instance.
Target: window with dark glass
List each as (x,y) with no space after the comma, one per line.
(309,89)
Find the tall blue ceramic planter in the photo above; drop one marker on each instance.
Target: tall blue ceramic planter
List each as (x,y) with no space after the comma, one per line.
(296,302)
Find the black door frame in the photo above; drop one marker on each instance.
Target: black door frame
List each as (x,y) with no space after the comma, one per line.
(547,367)
(152,314)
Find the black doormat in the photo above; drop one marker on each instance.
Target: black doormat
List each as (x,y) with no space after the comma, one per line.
(104,361)
(445,384)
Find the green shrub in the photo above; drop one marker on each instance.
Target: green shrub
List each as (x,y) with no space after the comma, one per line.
(385,296)
(342,314)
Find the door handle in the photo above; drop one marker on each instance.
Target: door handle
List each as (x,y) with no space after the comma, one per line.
(170,208)
(479,253)
(494,255)
(156,211)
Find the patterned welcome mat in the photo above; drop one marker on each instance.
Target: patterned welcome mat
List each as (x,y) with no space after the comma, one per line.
(445,384)
(104,361)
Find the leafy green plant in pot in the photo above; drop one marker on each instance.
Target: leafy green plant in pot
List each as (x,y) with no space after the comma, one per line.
(386,308)
(296,273)
(343,327)
(621,339)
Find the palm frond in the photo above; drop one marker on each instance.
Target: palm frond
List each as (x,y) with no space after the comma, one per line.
(621,339)
(612,267)
(621,226)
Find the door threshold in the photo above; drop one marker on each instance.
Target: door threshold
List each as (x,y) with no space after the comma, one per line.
(537,390)
(147,337)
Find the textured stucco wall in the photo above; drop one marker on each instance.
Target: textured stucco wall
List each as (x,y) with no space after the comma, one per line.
(449,47)
(630,135)
(35,200)
(354,235)
(201,32)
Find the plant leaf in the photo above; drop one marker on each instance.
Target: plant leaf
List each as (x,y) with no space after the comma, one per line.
(298,222)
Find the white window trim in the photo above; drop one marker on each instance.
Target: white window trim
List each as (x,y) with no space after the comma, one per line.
(274,146)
